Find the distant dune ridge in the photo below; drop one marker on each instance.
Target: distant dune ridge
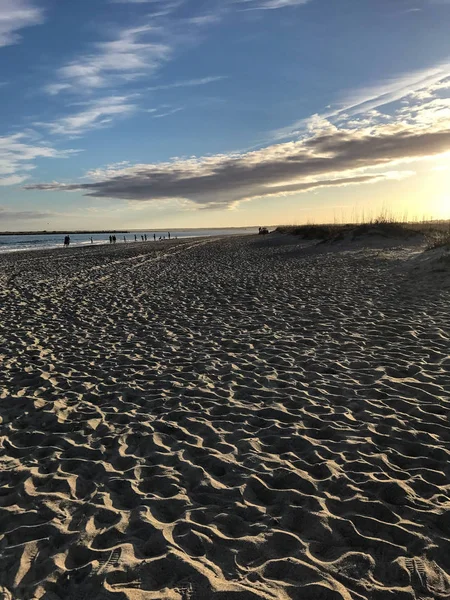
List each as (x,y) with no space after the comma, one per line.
(260,417)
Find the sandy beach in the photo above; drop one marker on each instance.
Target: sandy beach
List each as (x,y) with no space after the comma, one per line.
(247,418)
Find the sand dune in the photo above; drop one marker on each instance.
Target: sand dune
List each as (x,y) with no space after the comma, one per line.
(225,418)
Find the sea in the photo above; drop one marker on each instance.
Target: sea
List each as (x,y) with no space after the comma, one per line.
(41,241)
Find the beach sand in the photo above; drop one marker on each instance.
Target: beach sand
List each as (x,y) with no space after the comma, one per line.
(246,418)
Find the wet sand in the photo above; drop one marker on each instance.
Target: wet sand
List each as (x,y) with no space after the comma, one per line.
(246,418)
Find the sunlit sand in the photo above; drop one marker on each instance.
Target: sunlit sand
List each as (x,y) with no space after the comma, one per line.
(250,418)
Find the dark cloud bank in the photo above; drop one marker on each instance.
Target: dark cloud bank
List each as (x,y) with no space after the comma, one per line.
(328,158)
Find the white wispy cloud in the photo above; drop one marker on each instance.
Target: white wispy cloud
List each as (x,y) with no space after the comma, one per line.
(170,3)
(18,154)
(55,88)
(270,4)
(16,15)
(422,83)
(134,52)
(96,114)
(187,83)
(167,113)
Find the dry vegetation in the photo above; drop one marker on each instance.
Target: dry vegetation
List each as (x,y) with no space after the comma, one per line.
(435,233)
(439,238)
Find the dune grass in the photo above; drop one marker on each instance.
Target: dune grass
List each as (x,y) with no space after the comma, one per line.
(435,233)
(439,239)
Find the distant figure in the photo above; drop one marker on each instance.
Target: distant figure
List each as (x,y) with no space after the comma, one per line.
(135,237)
(145,236)
(66,241)
(168,233)
(114,239)
(154,237)
(124,239)
(110,239)
(92,241)
(142,237)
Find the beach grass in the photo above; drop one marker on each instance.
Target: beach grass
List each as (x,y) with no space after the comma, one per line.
(439,238)
(436,233)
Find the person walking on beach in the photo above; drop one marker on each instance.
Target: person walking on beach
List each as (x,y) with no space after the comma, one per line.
(92,241)
(124,239)
(145,236)
(154,237)
(110,239)
(168,233)
(135,237)
(114,239)
(66,241)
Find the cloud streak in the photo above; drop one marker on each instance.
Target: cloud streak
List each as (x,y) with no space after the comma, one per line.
(98,114)
(18,155)
(16,15)
(134,52)
(271,4)
(167,113)
(416,85)
(188,83)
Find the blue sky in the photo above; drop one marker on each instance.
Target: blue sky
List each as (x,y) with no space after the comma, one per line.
(176,113)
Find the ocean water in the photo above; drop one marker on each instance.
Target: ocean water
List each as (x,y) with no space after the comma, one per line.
(12,243)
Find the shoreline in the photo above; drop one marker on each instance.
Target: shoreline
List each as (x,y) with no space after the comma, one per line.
(56,232)
(112,231)
(84,245)
(25,243)
(102,243)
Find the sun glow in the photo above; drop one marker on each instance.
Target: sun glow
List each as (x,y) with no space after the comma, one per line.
(442,206)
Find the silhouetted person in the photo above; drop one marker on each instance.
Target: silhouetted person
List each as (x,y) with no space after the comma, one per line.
(66,241)
(124,239)
(142,237)
(135,237)
(114,239)
(154,237)
(110,239)
(168,233)
(145,236)
(92,241)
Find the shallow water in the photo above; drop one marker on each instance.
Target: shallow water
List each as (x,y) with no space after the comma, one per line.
(10,243)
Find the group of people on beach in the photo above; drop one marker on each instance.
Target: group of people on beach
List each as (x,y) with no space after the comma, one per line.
(113,238)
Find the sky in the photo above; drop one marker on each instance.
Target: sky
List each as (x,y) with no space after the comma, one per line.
(221,113)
